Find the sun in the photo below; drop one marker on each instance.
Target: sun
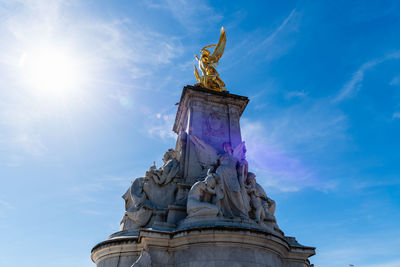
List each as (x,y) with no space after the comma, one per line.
(50,70)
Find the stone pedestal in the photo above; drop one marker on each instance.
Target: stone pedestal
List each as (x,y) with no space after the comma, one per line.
(208,246)
(160,228)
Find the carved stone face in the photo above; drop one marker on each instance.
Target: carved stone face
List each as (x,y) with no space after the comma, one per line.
(170,154)
(251,179)
(210,181)
(228,148)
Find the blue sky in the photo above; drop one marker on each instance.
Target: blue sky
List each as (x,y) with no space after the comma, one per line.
(322,127)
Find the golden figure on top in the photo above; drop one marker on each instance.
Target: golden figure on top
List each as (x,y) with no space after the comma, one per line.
(208,63)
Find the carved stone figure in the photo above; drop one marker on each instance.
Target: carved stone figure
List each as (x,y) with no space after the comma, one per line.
(158,183)
(151,195)
(138,208)
(168,171)
(262,206)
(235,201)
(200,197)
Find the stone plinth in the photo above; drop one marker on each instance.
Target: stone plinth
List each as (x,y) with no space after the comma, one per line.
(211,116)
(212,245)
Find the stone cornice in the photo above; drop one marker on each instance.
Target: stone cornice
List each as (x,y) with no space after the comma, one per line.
(207,95)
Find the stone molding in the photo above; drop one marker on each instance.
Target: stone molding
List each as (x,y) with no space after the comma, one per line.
(202,236)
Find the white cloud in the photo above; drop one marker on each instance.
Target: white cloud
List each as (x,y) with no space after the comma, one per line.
(351,87)
(396,115)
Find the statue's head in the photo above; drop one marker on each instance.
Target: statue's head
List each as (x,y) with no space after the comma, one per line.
(170,154)
(251,178)
(205,51)
(227,146)
(210,181)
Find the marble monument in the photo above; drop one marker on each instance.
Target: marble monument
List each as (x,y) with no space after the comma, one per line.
(202,207)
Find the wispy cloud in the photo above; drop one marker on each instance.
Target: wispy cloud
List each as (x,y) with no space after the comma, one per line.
(282,147)
(265,44)
(351,87)
(124,41)
(396,115)
(296,94)
(189,13)
(272,37)
(284,23)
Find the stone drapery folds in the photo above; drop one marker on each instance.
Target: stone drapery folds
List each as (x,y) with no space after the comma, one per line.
(227,191)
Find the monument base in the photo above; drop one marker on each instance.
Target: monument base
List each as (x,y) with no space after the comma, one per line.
(213,245)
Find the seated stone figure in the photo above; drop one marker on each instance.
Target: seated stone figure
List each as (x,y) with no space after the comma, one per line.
(168,171)
(200,197)
(159,185)
(255,199)
(138,208)
(147,199)
(262,206)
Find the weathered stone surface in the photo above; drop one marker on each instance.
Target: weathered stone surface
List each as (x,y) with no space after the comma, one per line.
(202,207)
(205,246)
(211,116)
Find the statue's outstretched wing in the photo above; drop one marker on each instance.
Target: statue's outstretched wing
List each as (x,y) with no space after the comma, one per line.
(239,151)
(219,50)
(196,73)
(206,154)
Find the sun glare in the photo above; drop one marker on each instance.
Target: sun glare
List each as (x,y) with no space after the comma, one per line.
(51,71)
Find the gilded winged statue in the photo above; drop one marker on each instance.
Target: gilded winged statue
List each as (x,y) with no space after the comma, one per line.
(208,63)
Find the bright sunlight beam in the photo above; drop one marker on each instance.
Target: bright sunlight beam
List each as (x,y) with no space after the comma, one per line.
(51,71)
